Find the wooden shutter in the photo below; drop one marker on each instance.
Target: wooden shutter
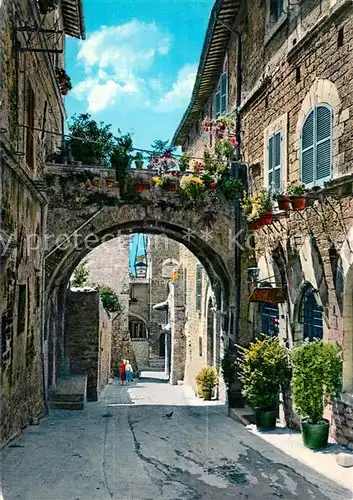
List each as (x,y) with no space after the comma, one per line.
(323,144)
(224,92)
(307,156)
(275,162)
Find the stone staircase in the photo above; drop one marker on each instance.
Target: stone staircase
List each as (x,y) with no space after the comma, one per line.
(70,393)
(157,364)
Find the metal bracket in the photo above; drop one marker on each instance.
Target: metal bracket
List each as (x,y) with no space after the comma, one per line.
(34,29)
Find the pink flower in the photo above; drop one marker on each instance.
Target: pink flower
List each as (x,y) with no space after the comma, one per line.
(233,141)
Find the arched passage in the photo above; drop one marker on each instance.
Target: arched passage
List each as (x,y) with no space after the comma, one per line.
(348,332)
(64,260)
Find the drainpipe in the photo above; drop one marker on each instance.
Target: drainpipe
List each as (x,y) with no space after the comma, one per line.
(235,168)
(44,291)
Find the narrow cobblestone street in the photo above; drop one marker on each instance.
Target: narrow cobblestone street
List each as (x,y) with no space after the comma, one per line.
(152,441)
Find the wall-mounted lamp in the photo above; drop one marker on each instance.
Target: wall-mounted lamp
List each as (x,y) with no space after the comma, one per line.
(253,274)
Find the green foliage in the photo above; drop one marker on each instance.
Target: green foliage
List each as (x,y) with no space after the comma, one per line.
(160,148)
(184,161)
(296,189)
(81,275)
(207,379)
(229,371)
(94,143)
(230,187)
(263,370)
(109,298)
(317,375)
(224,149)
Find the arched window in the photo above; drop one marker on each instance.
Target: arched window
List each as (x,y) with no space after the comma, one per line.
(310,315)
(316,146)
(137,329)
(270,319)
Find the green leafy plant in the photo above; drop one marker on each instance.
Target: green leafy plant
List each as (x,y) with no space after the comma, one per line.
(80,276)
(207,379)
(192,185)
(317,375)
(263,370)
(230,187)
(296,189)
(229,370)
(184,161)
(109,298)
(224,148)
(256,205)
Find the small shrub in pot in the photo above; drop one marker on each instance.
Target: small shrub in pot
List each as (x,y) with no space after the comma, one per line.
(317,377)
(207,380)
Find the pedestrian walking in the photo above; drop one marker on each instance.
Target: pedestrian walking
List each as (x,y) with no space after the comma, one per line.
(123,371)
(128,371)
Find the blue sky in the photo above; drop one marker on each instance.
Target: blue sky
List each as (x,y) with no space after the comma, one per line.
(137,67)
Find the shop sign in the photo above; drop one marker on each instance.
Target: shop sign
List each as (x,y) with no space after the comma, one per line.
(271,295)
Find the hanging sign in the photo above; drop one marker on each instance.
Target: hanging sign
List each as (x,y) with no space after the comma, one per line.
(271,295)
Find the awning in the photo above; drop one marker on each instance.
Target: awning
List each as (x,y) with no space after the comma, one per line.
(72,12)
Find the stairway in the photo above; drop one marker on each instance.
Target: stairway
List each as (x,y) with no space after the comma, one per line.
(157,364)
(70,393)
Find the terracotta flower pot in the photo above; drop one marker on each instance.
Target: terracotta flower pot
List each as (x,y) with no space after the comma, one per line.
(284,203)
(172,186)
(267,218)
(109,183)
(298,202)
(139,164)
(139,188)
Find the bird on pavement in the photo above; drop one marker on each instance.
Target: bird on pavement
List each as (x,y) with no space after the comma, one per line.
(169,415)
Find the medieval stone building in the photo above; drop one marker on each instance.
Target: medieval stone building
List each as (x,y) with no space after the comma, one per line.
(31,103)
(285,70)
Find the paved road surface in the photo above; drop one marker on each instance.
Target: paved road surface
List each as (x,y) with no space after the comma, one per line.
(126,448)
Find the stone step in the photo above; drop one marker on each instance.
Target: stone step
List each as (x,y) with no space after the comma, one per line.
(70,393)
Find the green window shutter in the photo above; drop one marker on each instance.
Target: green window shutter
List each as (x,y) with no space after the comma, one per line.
(224,92)
(307,154)
(198,287)
(275,161)
(323,145)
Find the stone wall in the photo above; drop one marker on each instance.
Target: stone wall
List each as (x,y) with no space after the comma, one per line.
(88,337)
(22,216)
(342,416)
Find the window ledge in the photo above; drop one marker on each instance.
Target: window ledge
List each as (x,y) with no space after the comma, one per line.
(272,28)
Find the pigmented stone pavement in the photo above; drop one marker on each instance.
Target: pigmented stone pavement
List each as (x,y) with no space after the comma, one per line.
(124,447)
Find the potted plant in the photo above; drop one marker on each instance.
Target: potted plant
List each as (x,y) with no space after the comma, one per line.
(139,160)
(207,380)
(257,209)
(209,181)
(296,193)
(317,377)
(230,187)
(283,202)
(192,185)
(138,182)
(264,371)
(170,182)
(64,81)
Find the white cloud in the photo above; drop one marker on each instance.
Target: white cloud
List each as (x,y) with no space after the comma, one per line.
(116,58)
(179,95)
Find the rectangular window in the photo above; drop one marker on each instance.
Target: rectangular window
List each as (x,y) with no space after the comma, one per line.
(275,162)
(22,307)
(276,10)
(198,287)
(30,128)
(220,100)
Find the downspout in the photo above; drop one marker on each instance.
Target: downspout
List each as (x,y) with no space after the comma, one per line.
(44,290)
(235,170)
